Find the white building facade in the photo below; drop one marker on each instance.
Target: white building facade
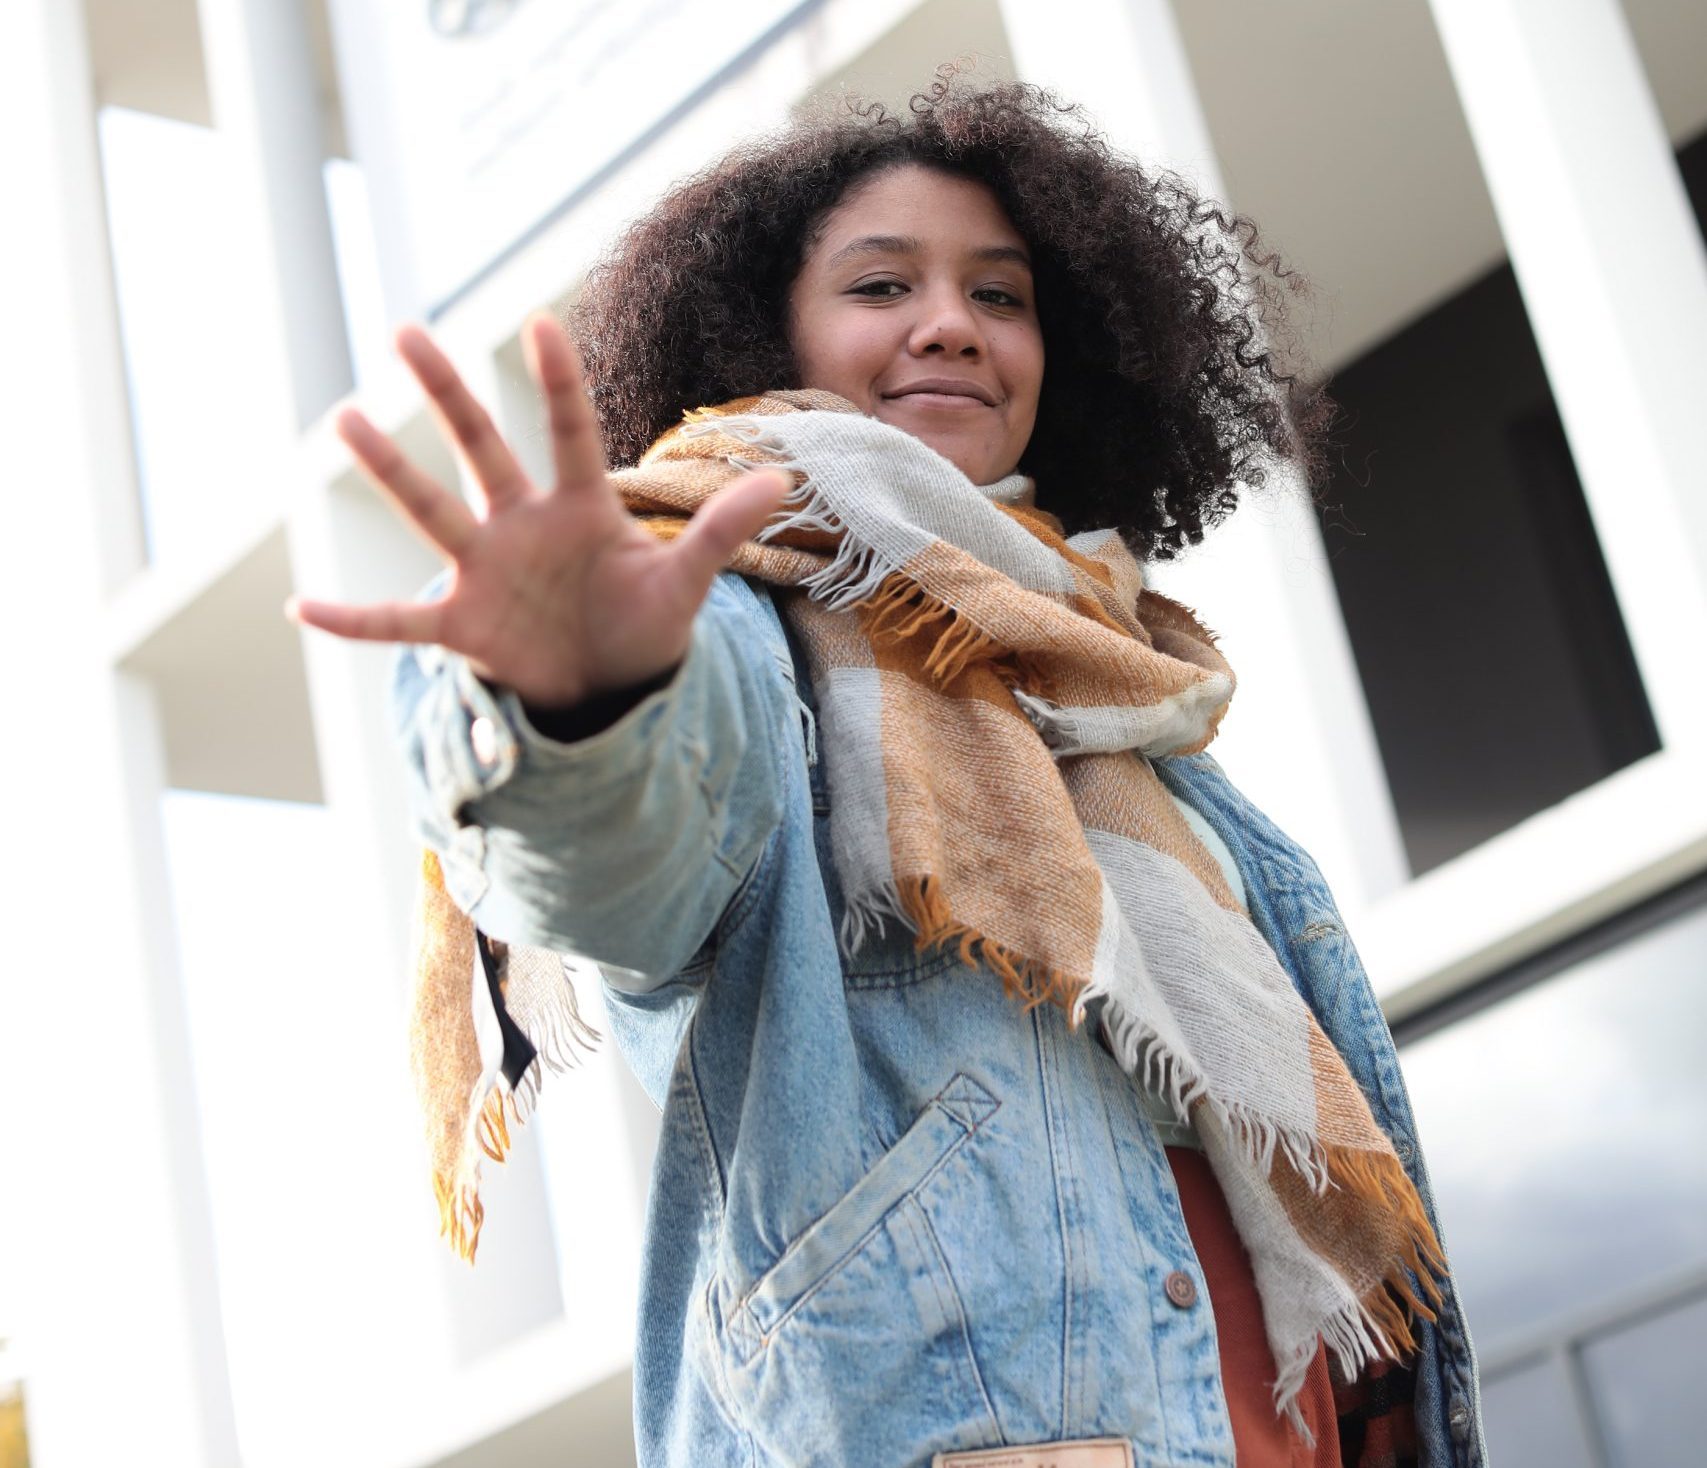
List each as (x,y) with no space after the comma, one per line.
(218,1237)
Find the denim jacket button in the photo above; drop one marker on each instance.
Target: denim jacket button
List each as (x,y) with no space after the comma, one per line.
(483,736)
(1458,1419)
(1181,1289)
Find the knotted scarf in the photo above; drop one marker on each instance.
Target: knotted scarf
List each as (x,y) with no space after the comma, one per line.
(990,695)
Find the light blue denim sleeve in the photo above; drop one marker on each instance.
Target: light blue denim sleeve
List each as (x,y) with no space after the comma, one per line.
(624,847)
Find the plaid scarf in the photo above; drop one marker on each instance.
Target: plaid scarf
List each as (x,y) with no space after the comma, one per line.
(990,695)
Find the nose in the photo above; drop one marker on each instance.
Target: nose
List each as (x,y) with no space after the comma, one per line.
(947,326)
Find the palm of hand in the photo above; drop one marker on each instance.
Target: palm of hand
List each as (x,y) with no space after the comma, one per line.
(558,626)
(558,594)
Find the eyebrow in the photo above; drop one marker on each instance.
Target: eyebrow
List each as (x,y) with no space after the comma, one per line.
(906,244)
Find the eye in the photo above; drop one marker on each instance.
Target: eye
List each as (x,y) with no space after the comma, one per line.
(997,297)
(878,289)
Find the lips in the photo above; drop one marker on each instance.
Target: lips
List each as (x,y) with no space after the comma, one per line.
(945,387)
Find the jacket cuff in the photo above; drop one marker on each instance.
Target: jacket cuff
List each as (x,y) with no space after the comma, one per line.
(486,739)
(580,721)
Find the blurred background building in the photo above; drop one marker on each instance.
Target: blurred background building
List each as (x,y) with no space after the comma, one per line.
(1473,687)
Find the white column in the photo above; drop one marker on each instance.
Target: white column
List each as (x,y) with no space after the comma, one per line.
(1298,738)
(265,93)
(1124,60)
(1612,270)
(106,1202)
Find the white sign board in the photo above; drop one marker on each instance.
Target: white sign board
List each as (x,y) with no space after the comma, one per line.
(474,119)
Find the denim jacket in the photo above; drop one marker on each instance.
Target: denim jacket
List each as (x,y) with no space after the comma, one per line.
(891,1213)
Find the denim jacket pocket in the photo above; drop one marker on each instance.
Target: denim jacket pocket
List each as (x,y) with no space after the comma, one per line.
(870,1269)
(954,1114)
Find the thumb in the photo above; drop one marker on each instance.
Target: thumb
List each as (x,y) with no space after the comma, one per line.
(730,518)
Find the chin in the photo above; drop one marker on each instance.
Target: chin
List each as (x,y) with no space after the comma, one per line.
(973,464)
(972,460)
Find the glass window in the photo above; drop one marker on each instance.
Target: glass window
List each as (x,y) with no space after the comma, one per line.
(1644,1382)
(1563,1127)
(1532,1420)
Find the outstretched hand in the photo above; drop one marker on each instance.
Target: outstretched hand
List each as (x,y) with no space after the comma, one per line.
(557,593)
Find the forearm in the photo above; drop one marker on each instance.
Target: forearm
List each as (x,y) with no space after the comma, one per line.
(624,845)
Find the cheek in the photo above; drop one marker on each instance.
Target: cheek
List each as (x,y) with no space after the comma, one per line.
(843,352)
(1025,370)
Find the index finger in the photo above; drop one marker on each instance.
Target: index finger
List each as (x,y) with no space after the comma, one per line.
(577,455)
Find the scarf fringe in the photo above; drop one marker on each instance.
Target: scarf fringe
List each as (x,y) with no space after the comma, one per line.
(491,1127)
(901,610)
(1025,979)
(1349,1334)
(558,1034)
(859,576)
(1419,1262)
(918,902)
(1379,1324)
(1144,1055)
(858,569)
(460,1214)
(1376,1327)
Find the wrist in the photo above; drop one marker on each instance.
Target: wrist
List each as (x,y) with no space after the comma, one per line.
(568,723)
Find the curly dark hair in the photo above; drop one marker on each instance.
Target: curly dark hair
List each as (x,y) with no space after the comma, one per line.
(1167,386)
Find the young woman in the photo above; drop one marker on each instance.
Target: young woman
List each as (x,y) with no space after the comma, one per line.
(1021,1089)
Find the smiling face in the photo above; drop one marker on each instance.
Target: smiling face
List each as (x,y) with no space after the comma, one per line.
(915,302)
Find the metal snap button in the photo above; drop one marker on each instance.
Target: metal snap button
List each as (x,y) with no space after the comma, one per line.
(1458,1418)
(1405,1151)
(1181,1289)
(483,735)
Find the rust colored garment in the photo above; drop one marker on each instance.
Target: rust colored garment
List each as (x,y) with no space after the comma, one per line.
(1261,1438)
